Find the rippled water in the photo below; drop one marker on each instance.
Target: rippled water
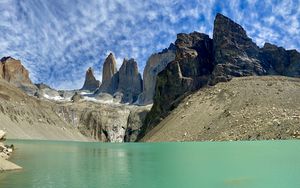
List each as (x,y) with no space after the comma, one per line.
(263,164)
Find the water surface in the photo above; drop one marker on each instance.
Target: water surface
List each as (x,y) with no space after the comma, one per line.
(260,164)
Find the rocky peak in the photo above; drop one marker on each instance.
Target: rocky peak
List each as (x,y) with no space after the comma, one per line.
(130,80)
(109,76)
(13,71)
(90,81)
(234,52)
(109,68)
(225,27)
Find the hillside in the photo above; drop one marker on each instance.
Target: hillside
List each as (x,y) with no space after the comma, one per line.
(246,108)
(26,117)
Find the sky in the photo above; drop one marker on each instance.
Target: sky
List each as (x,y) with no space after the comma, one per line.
(57,40)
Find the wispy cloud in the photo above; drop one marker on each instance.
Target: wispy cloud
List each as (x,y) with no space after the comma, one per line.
(58,40)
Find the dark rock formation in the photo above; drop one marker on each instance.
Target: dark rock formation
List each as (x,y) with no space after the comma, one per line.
(15,73)
(126,83)
(278,61)
(90,82)
(190,70)
(130,81)
(109,76)
(235,54)
(155,64)
(294,66)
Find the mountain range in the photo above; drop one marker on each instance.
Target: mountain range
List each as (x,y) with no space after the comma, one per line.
(118,109)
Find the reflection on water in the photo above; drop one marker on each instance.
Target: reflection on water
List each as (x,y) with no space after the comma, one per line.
(150,165)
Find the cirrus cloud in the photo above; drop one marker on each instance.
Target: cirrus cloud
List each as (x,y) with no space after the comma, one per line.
(57,40)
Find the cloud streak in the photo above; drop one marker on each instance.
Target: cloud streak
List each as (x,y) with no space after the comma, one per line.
(58,40)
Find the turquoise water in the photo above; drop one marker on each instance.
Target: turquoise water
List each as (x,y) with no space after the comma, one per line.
(263,164)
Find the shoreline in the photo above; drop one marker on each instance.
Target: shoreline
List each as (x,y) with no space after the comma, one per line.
(5,154)
(6,165)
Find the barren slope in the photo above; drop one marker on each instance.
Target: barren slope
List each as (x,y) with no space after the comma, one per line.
(25,117)
(247,108)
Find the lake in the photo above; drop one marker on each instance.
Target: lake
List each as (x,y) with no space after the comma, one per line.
(255,164)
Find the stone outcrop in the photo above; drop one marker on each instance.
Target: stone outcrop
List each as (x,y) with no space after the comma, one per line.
(109,75)
(235,54)
(155,64)
(15,73)
(105,123)
(130,81)
(189,71)
(90,82)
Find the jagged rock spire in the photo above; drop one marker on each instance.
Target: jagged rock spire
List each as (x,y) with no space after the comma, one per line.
(90,82)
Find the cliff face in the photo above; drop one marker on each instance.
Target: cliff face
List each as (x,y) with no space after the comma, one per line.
(105,122)
(155,64)
(203,61)
(189,71)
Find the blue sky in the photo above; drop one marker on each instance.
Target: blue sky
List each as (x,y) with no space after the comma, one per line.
(57,40)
